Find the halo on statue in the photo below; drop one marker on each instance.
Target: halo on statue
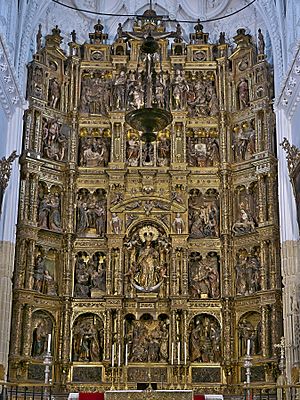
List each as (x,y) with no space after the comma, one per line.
(146,230)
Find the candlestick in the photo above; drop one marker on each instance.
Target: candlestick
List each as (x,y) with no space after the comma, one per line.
(113,355)
(178,353)
(119,356)
(172,353)
(49,343)
(126,354)
(248,347)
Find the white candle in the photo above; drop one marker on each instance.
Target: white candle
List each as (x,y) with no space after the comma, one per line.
(126,354)
(178,353)
(49,343)
(184,353)
(113,355)
(119,356)
(172,353)
(248,347)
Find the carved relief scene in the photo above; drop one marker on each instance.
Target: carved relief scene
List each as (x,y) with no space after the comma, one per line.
(203,147)
(201,95)
(91,213)
(87,333)
(148,154)
(49,207)
(90,275)
(148,339)
(245,209)
(148,254)
(45,272)
(94,147)
(203,213)
(96,89)
(55,138)
(204,275)
(244,141)
(205,339)
(248,272)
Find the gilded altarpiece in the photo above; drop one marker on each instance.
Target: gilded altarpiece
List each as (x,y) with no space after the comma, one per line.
(147,262)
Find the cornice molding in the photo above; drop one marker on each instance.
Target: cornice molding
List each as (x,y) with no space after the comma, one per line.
(10,94)
(289,94)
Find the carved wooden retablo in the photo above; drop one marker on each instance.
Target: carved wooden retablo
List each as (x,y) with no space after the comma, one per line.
(147,262)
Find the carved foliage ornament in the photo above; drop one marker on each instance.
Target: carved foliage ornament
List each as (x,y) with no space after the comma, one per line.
(5,172)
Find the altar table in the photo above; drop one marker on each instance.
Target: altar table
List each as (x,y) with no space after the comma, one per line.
(148,395)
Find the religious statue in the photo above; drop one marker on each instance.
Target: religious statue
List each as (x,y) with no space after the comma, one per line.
(261,42)
(54,93)
(116,224)
(147,259)
(248,274)
(179,90)
(119,90)
(178,224)
(243,94)
(163,149)
(82,277)
(246,332)
(222,38)
(133,149)
(88,339)
(43,281)
(38,275)
(41,329)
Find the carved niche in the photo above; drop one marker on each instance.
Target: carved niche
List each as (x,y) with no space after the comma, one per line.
(90,275)
(205,339)
(94,147)
(147,339)
(202,147)
(42,325)
(204,212)
(88,338)
(147,258)
(91,213)
(204,275)
(45,271)
(49,207)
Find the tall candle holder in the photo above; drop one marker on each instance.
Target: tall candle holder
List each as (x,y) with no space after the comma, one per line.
(47,362)
(248,365)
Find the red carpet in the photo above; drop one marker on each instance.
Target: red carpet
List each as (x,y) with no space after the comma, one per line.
(199,397)
(91,396)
